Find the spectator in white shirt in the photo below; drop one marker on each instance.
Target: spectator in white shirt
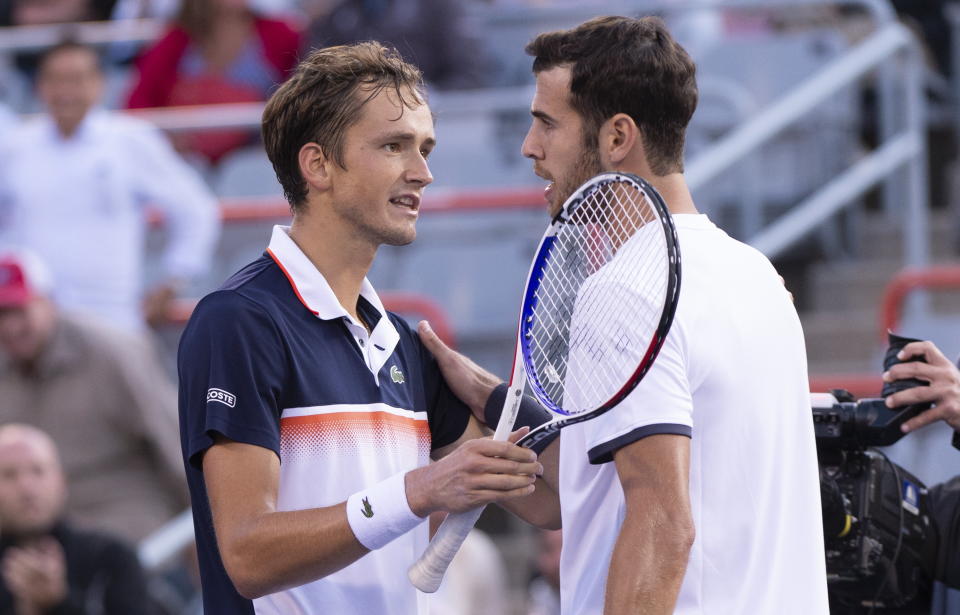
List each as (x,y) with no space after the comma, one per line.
(74,187)
(7,121)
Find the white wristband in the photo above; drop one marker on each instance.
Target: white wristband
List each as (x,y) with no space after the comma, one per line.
(381,513)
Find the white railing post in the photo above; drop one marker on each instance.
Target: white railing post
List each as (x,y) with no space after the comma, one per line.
(916,248)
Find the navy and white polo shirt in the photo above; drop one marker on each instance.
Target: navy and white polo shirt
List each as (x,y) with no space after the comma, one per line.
(272,359)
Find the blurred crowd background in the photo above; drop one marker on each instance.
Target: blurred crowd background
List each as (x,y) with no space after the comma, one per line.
(132,181)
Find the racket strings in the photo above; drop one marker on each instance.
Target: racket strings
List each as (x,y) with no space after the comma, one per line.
(607,244)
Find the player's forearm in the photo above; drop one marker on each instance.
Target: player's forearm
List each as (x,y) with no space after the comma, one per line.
(648,565)
(542,507)
(278,550)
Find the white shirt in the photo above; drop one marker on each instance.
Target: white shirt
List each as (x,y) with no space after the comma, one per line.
(8,121)
(80,203)
(733,373)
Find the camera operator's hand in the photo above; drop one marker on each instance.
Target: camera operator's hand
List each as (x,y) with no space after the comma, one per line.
(943,391)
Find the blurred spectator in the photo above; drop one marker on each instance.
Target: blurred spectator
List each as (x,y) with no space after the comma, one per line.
(103,398)
(934,28)
(46,565)
(145,9)
(8,120)
(218,51)
(37,12)
(73,188)
(167,9)
(476,581)
(544,591)
(433,34)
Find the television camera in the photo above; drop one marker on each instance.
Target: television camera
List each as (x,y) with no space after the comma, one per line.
(881,545)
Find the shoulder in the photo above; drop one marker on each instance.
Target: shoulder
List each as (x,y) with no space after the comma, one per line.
(168,47)
(281,42)
(276,29)
(26,134)
(409,338)
(402,326)
(245,302)
(228,309)
(129,128)
(127,125)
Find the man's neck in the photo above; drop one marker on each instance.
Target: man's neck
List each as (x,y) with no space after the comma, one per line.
(67,130)
(342,259)
(673,188)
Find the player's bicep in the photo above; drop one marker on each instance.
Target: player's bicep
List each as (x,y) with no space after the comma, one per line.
(242,482)
(654,473)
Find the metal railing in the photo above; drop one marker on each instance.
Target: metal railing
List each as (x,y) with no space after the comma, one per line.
(910,280)
(904,148)
(35,38)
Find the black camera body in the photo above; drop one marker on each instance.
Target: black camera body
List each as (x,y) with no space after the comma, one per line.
(880,541)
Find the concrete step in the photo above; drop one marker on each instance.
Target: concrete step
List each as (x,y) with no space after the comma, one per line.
(881,237)
(849,285)
(861,285)
(841,341)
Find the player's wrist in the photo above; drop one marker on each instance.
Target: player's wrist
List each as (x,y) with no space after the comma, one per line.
(418,491)
(381,513)
(531,414)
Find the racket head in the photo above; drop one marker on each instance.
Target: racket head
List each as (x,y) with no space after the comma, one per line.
(601,295)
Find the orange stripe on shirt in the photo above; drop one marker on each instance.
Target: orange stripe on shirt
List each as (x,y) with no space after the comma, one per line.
(361,418)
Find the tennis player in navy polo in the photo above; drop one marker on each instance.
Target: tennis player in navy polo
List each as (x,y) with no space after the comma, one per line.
(309,415)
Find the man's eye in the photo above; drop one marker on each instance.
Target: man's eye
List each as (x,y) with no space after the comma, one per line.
(392,147)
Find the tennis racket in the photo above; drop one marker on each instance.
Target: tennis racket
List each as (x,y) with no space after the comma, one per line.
(600,298)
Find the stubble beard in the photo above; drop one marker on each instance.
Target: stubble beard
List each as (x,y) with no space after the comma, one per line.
(587,166)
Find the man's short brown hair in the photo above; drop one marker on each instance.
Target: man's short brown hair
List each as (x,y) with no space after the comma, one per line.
(323,98)
(626,65)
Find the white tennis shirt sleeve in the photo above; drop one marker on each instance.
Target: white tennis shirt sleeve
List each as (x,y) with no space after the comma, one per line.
(661,402)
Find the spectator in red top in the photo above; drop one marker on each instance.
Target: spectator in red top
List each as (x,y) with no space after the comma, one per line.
(217,51)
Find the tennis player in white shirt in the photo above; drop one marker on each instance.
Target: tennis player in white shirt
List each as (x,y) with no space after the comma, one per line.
(699,493)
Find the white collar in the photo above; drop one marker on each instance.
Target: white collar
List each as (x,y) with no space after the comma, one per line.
(316,295)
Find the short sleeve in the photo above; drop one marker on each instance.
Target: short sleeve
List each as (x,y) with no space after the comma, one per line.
(231,364)
(660,404)
(448,416)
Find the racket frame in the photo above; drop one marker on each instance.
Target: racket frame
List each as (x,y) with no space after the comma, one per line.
(427,572)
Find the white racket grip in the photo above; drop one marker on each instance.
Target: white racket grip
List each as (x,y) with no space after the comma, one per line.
(426,573)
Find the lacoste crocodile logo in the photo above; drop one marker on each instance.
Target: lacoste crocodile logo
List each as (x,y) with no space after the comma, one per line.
(367,509)
(396,375)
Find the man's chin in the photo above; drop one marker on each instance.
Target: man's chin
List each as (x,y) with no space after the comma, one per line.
(400,238)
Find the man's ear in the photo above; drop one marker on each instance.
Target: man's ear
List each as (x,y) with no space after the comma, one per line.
(315,166)
(618,137)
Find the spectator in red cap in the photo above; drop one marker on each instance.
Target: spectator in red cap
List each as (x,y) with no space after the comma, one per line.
(102,396)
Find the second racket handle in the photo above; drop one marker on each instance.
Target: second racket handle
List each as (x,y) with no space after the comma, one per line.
(426,573)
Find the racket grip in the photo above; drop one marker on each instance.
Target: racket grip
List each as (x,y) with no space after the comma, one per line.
(426,573)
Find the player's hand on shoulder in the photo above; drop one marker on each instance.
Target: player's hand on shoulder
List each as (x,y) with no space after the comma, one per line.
(477,473)
(943,389)
(468,381)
